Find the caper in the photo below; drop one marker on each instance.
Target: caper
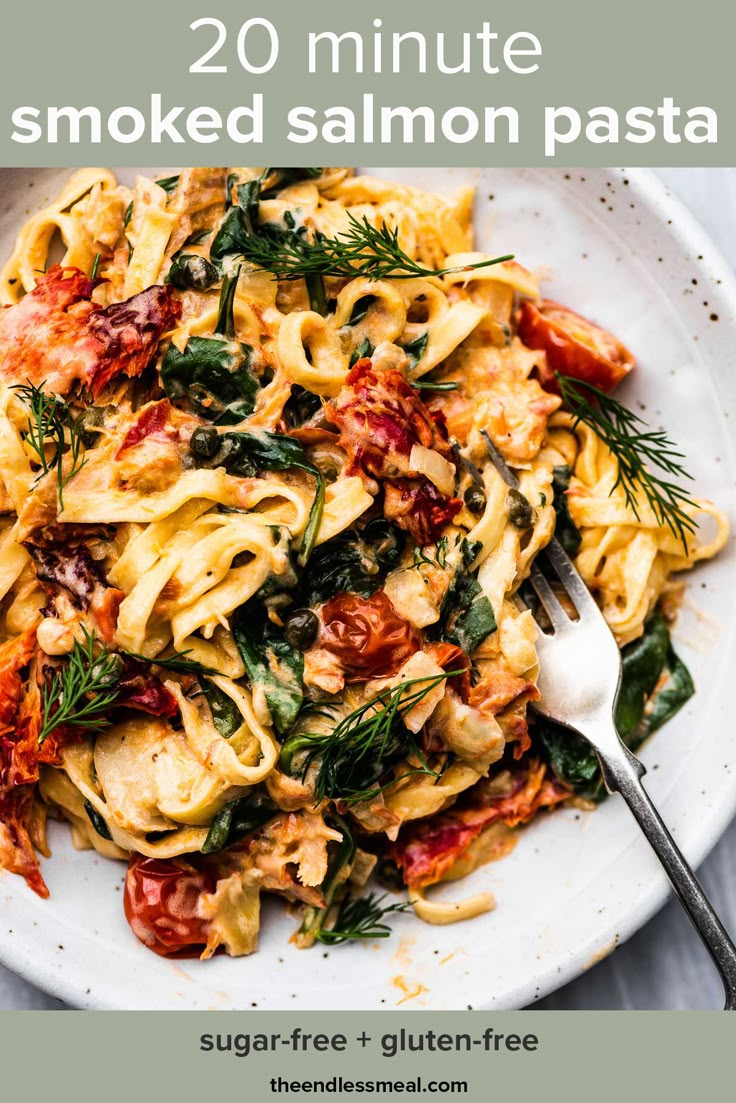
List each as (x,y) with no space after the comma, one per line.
(520,512)
(301,628)
(113,666)
(90,425)
(190,272)
(204,441)
(475,498)
(230,455)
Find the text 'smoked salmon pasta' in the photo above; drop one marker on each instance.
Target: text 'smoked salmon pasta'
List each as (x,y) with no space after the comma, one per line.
(264,611)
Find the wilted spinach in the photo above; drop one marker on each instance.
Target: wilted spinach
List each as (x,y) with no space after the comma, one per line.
(214,373)
(643,662)
(566,530)
(98,822)
(239,818)
(466,616)
(416,349)
(467,613)
(215,376)
(272,665)
(355,562)
(301,406)
(226,715)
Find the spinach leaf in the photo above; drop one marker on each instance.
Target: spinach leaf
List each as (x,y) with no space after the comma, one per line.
(355,562)
(566,530)
(226,715)
(571,757)
(215,376)
(241,220)
(245,454)
(286,176)
(360,309)
(225,326)
(468,614)
(229,238)
(238,818)
(643,662)
(365,348)
(679,689)
(271,664)
(97,821)
(416,349)
(169,183)
(249,195)
(301,406)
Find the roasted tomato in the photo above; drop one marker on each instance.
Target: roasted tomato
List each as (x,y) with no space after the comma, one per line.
(574,346)
(161,905)
(153,421)
(381,418)
(366,635)
(417,507)
(427,849)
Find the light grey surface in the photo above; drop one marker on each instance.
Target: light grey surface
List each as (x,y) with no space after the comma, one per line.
(663,965)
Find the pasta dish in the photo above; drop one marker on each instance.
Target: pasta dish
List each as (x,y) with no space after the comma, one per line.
(264,615)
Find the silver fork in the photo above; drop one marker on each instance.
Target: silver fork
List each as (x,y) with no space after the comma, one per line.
(580,672)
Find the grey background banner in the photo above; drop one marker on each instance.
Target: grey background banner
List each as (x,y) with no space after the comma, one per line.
(676,1055)
(104,56)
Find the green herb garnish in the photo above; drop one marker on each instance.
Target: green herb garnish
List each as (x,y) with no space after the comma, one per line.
(178,662)
(82,690)
(360,918)
(51,424)
(362,250)
(634,445)
(364,744)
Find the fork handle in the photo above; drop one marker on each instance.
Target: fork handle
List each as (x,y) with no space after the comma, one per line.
(622,774)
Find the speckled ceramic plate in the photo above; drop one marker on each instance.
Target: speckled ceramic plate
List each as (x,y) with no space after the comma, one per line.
(619,249)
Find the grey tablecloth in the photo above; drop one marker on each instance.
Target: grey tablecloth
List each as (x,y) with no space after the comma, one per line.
(664,965)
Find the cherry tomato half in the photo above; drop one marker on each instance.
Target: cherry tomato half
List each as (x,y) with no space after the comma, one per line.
(161,901)
(574,346)
(366,635)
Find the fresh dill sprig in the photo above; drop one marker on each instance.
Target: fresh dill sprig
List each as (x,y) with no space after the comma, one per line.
(440,555)
(52,425)
(178,662)
(360,918)
(362,250)
(363,745)
(82,690)
(635,445)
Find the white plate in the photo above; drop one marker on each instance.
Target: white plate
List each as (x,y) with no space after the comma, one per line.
(619,249)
